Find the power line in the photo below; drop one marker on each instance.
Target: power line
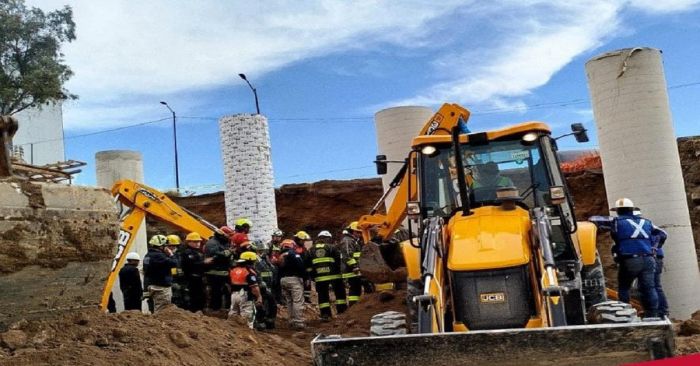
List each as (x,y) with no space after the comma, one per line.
(354,119)
(97,132)
(327,171)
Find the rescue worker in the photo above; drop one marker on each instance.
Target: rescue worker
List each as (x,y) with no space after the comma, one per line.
(633,251)
(275,251)
(276,239)
(659,240)
(157,268)
(325,262)
(192,264)
(179,286)
(292,275)
(240,243)
(265,319)
(245,290)
(242,225)
(350,251)
(303,242)
(489,175)
(130,282)
(217,260)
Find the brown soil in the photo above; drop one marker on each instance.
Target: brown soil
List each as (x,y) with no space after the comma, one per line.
(325,205)
(177,337)
(171,337)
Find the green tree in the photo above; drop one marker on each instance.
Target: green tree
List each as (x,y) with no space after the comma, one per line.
(32,68)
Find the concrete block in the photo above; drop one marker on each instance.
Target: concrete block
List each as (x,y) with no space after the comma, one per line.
(11,196)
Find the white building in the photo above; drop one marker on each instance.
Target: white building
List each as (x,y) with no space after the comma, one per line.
(39,139)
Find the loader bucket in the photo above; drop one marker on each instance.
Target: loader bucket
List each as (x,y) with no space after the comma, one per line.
(599,345)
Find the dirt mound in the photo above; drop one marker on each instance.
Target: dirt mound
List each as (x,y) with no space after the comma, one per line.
(324,205)
(356,321)
(171,337)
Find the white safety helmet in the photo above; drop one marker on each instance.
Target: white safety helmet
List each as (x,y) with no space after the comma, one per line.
(133,256)
(624,203)
(325,234)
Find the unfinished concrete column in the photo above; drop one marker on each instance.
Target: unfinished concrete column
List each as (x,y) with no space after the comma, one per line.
(396,128)
(112,166)
(640,159)
(249,193)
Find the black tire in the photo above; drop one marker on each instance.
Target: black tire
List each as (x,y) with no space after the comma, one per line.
(388,323)
(593,283)
(612,312)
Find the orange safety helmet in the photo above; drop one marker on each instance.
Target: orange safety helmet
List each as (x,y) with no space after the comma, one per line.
(287,244)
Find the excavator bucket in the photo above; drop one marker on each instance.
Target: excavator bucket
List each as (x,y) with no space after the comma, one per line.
(601,344)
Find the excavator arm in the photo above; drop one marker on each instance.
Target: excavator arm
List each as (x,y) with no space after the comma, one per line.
(140,201)
(441,123)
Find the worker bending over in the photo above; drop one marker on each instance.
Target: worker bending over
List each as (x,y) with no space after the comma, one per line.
(634,238)
(245,290)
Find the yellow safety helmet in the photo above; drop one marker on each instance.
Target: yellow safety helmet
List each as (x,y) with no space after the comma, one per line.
(193,236)
(302,235)
(174,239)
(158,240)
(354,226)
(249,256)
(242,222)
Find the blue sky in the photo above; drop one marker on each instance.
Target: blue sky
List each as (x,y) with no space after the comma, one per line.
(323,69)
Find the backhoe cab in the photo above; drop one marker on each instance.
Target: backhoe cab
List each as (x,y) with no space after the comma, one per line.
(495,258)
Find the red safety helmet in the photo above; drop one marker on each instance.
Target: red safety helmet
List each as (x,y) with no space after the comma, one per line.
(239,238)
(227,231)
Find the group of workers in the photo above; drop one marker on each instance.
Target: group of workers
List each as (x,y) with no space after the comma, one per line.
(638,251)
(247,277)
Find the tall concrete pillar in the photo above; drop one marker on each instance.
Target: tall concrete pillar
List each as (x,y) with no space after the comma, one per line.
(640,159)
(396,127)
(250,191)
(111,166)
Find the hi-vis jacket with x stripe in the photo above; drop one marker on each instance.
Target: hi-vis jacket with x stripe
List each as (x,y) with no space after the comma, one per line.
(633,235)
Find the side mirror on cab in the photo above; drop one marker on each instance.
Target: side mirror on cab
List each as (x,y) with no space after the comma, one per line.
(580,132)
(381,164)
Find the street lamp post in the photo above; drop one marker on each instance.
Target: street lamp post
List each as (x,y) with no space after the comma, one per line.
(255,92)
(177,172)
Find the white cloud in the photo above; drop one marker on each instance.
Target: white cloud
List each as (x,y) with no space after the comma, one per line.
(128,54)
(159,47)
(664,6)
(546,38)
(526,57)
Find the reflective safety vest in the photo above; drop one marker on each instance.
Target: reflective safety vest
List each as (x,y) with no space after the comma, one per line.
(239,276)
(324,262)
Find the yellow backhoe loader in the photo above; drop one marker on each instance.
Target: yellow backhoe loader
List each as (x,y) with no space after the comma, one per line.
(497,269)
(137,200)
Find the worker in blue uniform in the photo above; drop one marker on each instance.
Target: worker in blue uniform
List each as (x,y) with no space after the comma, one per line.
(634,238)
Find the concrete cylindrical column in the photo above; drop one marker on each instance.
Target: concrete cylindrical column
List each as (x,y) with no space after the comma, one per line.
(640,159)
(396,128)
(110,167)
(249,193)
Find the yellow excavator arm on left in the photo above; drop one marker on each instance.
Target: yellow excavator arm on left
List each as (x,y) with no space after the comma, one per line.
(141,200)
